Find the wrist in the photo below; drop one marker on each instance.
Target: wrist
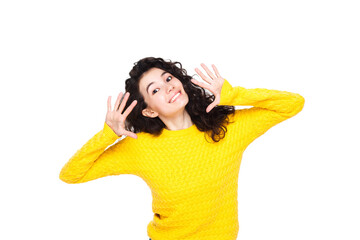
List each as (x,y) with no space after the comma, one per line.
(109,130)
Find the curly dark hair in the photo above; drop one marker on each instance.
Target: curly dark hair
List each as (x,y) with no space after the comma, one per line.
(213,123)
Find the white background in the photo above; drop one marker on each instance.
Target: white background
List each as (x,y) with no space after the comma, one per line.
(60,60)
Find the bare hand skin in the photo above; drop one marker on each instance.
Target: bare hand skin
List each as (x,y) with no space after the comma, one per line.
(214,86)
(115,119)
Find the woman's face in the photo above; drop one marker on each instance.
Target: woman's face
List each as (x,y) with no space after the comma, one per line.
(163,93)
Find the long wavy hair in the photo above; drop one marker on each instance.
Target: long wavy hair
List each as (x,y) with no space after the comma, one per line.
(213,123)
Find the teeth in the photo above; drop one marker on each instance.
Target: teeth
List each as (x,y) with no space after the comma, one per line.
(175,97)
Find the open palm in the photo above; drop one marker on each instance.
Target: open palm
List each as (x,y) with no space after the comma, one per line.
(214,85)
(115,119)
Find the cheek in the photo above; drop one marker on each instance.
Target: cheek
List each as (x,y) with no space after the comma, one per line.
(158,101)
(180,84)
(187,99)
(185,94)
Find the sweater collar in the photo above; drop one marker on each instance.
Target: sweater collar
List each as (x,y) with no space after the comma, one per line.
(180,132)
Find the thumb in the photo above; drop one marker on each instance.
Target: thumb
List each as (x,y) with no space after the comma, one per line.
(210,107)
(130,134)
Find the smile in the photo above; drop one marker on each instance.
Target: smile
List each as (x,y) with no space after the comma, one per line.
(174,97)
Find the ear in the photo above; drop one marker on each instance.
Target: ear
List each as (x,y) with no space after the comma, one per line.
(149,113)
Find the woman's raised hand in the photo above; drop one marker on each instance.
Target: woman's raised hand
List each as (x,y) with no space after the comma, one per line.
(214,86)
(115,119)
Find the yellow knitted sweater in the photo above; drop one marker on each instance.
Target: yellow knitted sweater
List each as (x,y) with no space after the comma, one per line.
(193,181)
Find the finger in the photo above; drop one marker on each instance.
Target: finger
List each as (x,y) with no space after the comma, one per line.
(118,101)
(208,71)
(210,107)
(123,102)
(130,134)
(109,104)
(206,79)
(130,108)
(203,85)
(216,71)
(213,104)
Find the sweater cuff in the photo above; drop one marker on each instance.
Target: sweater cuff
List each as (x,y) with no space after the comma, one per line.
(226,93)
(109,133)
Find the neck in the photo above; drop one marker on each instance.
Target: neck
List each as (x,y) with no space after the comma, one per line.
(179,122)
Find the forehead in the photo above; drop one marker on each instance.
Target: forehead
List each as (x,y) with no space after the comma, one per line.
(152,74)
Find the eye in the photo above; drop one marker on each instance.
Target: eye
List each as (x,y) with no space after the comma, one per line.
(153,92)
(168,78)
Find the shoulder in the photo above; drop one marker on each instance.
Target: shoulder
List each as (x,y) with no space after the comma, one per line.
(238,118)
(143,138)
(237,115)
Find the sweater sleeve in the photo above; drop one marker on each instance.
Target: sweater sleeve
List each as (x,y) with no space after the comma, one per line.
(98,159)
(270,107)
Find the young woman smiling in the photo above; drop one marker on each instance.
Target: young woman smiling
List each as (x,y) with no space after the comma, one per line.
(184,142)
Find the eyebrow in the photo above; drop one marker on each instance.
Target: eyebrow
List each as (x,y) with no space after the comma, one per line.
(147,88)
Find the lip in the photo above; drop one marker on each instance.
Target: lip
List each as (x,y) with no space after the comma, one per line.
(174,95)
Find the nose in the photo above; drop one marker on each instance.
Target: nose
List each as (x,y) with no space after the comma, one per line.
(170,87)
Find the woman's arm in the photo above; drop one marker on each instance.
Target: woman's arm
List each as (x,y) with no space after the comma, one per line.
(94,161)
(270,107)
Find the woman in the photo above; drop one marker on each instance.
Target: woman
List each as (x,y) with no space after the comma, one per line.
(184,142)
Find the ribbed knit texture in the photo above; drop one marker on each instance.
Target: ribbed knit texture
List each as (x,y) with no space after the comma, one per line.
(193,182)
